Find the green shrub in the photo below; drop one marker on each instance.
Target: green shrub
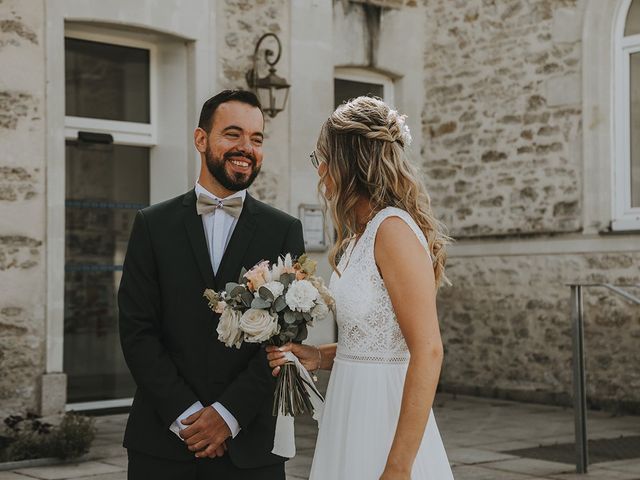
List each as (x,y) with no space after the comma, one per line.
(30,438)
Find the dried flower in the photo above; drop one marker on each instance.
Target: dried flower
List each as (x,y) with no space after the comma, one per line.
(319,311)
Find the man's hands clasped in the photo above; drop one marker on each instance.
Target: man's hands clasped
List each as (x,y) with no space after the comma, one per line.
(206,434)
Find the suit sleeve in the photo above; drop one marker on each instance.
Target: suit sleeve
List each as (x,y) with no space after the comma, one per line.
(245,397)
(140,333)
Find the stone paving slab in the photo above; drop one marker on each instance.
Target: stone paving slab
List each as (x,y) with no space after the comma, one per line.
(476,433)
(596,473)
(13,476)
(121,461)
(70,471)
(471,456)
(530,466)
(631,466)
(472,472)
(108,476)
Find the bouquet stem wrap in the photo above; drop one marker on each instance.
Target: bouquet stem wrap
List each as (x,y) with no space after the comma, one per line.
(284,440)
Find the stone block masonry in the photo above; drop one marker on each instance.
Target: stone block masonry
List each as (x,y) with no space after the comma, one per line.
(22,206)
(502,158)
(507,329)
(244,22)
(502,116)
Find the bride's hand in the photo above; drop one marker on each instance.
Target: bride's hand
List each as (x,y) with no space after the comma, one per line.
(307,354)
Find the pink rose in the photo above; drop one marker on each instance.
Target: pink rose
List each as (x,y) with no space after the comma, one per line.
(258,275)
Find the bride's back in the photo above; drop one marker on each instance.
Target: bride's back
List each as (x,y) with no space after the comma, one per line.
(368,330)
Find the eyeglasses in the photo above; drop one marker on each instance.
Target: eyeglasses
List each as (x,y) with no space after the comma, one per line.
(315,161)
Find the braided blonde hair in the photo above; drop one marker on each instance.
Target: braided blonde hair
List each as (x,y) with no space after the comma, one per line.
(363,144)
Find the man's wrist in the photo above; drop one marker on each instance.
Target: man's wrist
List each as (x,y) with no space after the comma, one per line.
(229,419)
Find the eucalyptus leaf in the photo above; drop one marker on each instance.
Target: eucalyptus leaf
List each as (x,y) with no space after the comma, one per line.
(289,317)
(260,303)
(287,279)
(247,298)
(242,274)
(307,317)
(299,316)
(302,333)
(266,294)
(238,291)
(280,304)
(230,287)
(291,332)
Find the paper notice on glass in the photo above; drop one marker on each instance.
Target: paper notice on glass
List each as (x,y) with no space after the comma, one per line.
(313,225)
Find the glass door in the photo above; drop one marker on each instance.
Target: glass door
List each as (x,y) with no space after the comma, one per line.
(109,133)
(105,186)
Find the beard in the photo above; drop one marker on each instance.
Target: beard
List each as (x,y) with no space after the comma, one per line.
(231,181)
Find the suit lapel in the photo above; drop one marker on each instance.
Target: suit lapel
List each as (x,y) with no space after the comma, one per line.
(240,239)
(195,232)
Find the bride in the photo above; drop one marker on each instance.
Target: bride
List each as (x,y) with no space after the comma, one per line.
(377,421)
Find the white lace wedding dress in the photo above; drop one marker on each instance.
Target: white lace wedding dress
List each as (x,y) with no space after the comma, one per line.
(365,390)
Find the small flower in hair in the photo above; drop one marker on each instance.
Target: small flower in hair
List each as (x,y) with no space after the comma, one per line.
(400,120)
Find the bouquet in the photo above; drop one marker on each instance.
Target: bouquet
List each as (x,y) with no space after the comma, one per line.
(275,304)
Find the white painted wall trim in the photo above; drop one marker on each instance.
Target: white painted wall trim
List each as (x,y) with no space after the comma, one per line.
(310,104)
(624,216)
(598,108)
(187,45)
(124,133)
(567,245)
(357,74)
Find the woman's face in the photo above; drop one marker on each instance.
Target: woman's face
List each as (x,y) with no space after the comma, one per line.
(323,172)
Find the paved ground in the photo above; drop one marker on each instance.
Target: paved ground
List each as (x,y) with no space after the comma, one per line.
(475,432)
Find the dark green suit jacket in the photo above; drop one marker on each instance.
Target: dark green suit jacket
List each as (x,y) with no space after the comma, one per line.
(168,333)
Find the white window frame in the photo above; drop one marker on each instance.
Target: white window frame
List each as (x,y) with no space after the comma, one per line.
(625,217)
(136,134)
(367,76)
(124,133)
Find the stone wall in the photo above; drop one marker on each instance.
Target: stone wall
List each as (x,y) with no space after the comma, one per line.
(240,26)
(507,329)
(502,117)
(22,205)
(503,132)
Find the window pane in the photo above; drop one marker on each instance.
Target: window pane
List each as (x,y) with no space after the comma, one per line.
(106,81)
(347,89)
(105,185)
(635,128)
(632,26)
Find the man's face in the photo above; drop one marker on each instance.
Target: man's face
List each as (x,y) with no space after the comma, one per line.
(234,148)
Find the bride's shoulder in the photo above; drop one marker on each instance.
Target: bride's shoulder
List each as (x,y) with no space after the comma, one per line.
(393,215)
(396,228)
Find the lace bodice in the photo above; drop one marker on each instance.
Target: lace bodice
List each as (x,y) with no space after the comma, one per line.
(368,330)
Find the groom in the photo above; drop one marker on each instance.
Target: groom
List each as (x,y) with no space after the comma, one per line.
(202,410)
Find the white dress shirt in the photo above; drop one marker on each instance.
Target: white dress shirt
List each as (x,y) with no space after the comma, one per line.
(218,228)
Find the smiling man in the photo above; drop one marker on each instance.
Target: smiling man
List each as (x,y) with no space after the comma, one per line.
(202,410)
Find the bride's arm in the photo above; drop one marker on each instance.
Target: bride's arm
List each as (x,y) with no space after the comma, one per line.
(409,278)
(312,358)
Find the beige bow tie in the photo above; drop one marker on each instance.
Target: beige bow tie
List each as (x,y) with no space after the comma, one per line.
(206,204)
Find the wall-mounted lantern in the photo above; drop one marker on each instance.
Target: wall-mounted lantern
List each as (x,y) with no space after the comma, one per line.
(272,90)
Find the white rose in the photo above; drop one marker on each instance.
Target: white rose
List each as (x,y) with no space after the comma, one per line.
(229,328)
(276,288)
(302,296)
(259,325)
(319,311)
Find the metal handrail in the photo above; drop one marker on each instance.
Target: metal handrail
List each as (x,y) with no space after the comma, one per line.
(579,373)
